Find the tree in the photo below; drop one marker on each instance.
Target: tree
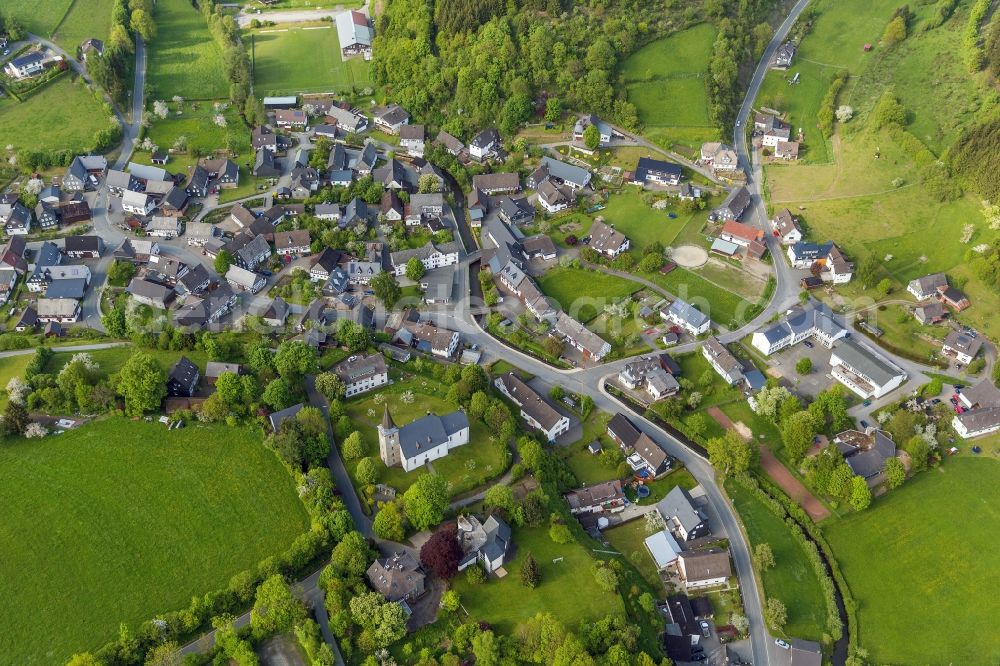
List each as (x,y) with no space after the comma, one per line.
(553,346)
(775,613)
(740,623)
(884,287)
(353,447)
(592,137)
(367,472)
(84,658)
(388,523)
(415,269)
(895,32)
(353,335)
(229,388)
(916,446)
(606,578)
(277,395)
(386,289)
(294,359)
(428,183)
(840,480)
(442,553)
(142,383)
(426,501)
(895,473)
(384,622)
(15,30)
(114,323)
(275,608)
(861,494)
(530,575)
(164,654)
(764,555)
(120,273)
(330,385)
(500,497)
(553,109)
(560,533)
(223,261)
(888,111)
(730,454)
(804,365)
(797,434)
(142,23)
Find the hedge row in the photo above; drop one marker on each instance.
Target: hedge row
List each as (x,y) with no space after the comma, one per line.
(972,47)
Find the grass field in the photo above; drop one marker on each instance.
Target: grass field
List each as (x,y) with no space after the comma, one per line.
(721,305)
(582,293)
(642,224)
(290,59)
(86,19)
(131,521)
(184,60)
(10,367)
(567,590)
(41,122)
(628,539)
(111,360)
(665,80)
(792,578)
(924,555)
(465,467)
(40,18)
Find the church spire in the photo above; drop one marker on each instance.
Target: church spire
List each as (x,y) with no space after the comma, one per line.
(387,423)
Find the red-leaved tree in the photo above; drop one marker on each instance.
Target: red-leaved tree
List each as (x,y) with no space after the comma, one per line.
(441,553)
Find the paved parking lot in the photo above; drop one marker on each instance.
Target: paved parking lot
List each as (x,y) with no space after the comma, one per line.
(783,363)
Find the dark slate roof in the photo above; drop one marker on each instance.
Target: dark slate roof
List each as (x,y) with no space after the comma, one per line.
(677,504)
(184,372)
(430,431)
(647,165)
(280,416)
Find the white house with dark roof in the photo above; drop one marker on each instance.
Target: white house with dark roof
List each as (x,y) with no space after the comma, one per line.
(786,228)
(430,255)
(487,542)
(962,346)
(649,375)
(688,317)
(484,144)
(362,373)
(422,441)
(606,240)
(642,454)
(391,118)
(535,410)
(927,286)
(864,371)
(657,172)
(722,360)
(681,516)
(812,320)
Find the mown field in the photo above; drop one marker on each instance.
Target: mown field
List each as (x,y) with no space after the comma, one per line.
(583,293)
(120,520)
(792,578)
(289,59)
(925,556)
(39,17)
(42,123)
(85,19)
(665,81)
(184,60)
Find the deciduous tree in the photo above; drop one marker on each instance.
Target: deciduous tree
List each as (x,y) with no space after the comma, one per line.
(426,501)
(142,383)
(442,553)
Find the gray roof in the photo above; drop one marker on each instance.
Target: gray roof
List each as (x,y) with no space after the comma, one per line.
(423,252)
(71,288)
(497,538)
(975,420)
(568,173)
(963,342)
(866,362)
(278,417)
(687,312)
(430,431)
(48,254)
(677,504)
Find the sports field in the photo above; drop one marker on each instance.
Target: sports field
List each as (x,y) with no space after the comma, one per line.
(665,81)
(83,21)
(120,520)
(184,60)
(41,122)
(38,16)
(925,556)
(290,60)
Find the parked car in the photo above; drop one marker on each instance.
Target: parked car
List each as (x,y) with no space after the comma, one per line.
(266,273)
(706,630)
(808,344)
(701,656)
(782,644)
(867,403)
(864,424)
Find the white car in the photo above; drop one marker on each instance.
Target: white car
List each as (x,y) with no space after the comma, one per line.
(782,644)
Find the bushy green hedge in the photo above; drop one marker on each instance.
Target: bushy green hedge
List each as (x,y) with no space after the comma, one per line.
(972,46)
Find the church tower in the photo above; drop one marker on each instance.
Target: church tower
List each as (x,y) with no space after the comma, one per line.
(388,440)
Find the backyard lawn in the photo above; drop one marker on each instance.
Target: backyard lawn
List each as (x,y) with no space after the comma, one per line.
(567,591)
(112,359)
(643,225)
(10,367)
(84,20)
(184,60)
(924,556)
(291,60)
(41,122)
(572,288)
(721,305)
(628,539)
(792,579)
(40,18)
(130,521)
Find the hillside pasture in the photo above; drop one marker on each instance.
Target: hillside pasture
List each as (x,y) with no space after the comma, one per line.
(119,520)
(184,60)
(40,18)
(41,121)
(85,19)
(290,60)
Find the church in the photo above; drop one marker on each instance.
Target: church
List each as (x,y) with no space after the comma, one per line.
(424,440)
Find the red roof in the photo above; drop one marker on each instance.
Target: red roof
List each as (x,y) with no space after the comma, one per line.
(359,18)
(740,230)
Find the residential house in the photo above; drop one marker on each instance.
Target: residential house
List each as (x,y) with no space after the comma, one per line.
(392,175)
(164,227)
(193,281)
(263,138)
(25,66)
(605,240)
(589,344)
(787,150)
(348,120)
(953,298)
(540,247)
(8,278)
(45,275)
(450,143)
(28,319)
(684,520)
(648,374)
(605,131)
(136,250)
(326,262)
(412,138)
(478,204)
(600,498)
(12,255)
(264,164)
(290,118)
(931,312)
(663,548)
(362,373)
(120,181)
(772,128)
(734,206)
(209,308)
(199,233)
(422,441)
(741,234)
(865,452)
(149,293)
(91,47)
(391,118)
(484,144)
(295,242)
(325,131)
(197,185)
(354,34)
(183,378)
(47,215)
(355,213)
(137,203)
(786,228)
(58,310)
(277,418)
(813,320)
(430,255)
(783,56)
(962,346)
(497,183)
(535,410)
(688,317)
(864,371)
(274,313)
(704,568)
(977,422)
(720,157)
(642,454)
(427,337)
(214,369)
(657,172)
(926,287)
(487,542)
(722,360)
(327,211)
(173,202)
(249,251)
(833,266)
(561,173)
(554,198)
(241,279)
(398,578)
(15,217)
(425,205)
(305,180)
(515,210)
